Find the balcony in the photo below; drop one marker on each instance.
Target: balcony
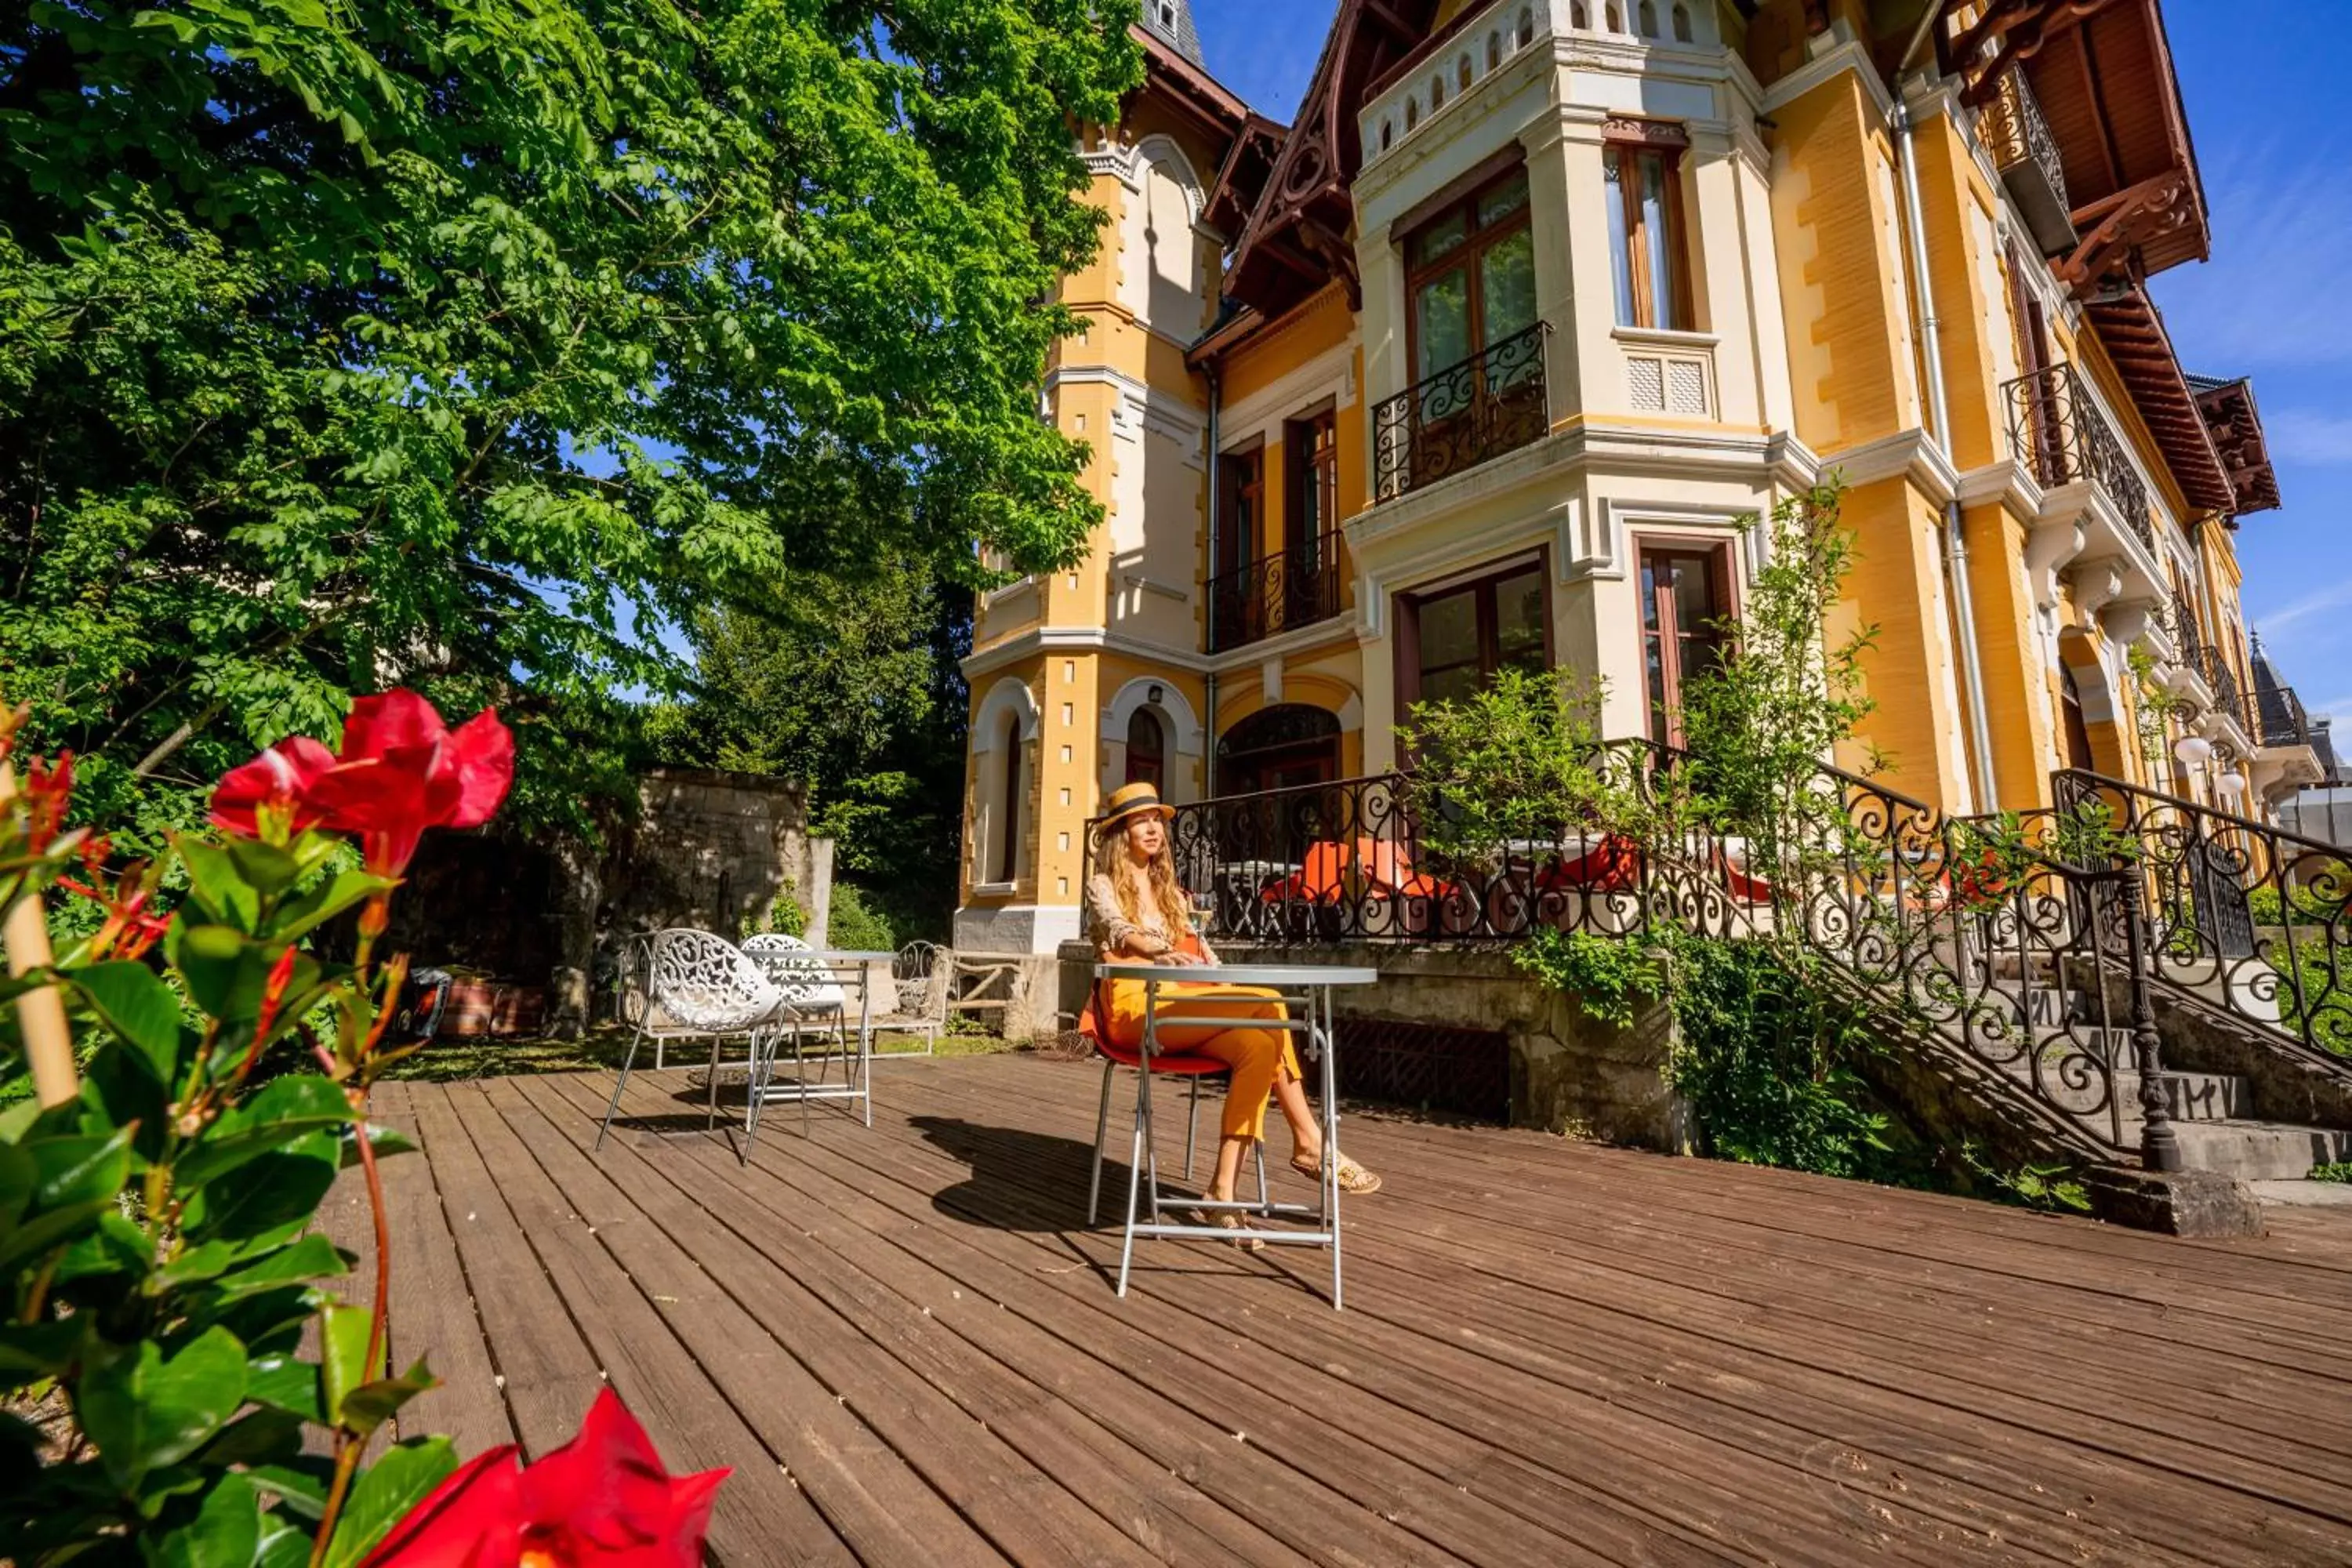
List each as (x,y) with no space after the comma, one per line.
(2063,437)
(2284,723)
(2229,698)
(2027,156)
(1490,404)
(1275,594)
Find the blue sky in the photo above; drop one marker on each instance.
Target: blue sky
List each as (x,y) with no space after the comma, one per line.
(2275,302)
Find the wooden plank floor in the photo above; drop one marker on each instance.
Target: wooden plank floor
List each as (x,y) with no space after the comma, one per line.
(905,1341)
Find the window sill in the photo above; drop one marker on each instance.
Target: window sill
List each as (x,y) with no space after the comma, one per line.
(994,889)
(1662,338)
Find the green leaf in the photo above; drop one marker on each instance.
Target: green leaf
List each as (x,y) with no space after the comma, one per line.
(283,1187)
(316,906)
(136,1003)
(343,1354)
(256,1437)
(226,971)
(263,867)
(283,1546)
(384,1494)
(286,1382)
(76,1180)
(32,1351)
(311,1257)
(114,1246)
(144,1409)
(17,1174)
(385,1141)
(216,884)
(285,1108)
(300,1485)
(225,1532)
(371,1405)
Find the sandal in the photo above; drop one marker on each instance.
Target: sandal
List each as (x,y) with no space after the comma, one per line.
(1354,1180)
(1225,1219)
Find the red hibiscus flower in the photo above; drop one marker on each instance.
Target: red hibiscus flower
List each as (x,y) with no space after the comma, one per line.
(403,771)
(602,1499)
(277,780)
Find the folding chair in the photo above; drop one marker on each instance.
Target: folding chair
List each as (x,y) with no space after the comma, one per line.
(1097,1033)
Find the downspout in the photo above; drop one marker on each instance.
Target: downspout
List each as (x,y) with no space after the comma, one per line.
(1209,617)
(1955,547)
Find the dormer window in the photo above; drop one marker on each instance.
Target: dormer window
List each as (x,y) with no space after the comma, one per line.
(1167,15)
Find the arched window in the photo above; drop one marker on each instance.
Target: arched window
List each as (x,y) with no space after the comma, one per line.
(1527,26)
(1577,15)
(1614,17)
(1412,113)
(1648,14)
(1682,25)
(1146,750)
(1494,50)
(1437,93)
(1462,72)
(1008,816)
(1388,134)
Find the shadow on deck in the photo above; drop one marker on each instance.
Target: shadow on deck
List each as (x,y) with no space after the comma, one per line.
(905,1344)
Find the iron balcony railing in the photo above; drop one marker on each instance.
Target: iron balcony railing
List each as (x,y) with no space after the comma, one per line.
(2228,697)
(2012,959)
(1275,594)
(2284,723)
(2060,432)
(2185,633)
(2026,153)
(1490,404)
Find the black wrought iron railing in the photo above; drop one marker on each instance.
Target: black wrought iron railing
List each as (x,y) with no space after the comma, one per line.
(2017,959)
(2228,697)
(1490,404)
(2186,634)
(2285,722)
(2245,917)
(1275,594)
(2015,132)
(2065,438)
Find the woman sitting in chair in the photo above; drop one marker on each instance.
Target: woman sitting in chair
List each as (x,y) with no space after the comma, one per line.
(1140,915)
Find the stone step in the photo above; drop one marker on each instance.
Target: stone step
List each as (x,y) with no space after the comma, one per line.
(2304,1194)
(2191,1096)
(2262,1151)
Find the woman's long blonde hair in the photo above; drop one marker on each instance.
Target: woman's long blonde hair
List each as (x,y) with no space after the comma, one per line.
(1160,873)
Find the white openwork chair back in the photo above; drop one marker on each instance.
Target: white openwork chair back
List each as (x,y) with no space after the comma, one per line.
(705,984)
(807,983)
(911,969)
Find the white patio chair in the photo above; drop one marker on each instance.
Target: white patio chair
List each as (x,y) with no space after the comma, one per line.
(697,983)
(814,1002)
(633,1002)
(913,976)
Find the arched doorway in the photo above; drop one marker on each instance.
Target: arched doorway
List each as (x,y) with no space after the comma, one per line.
(2075,732)
(1278,747)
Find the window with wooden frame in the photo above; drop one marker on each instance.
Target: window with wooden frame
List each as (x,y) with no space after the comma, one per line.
(1008,818)
(1642,161)
(1146,750)
(1686,588)
(1456,636)
(1241,500)
(1314,473)
(1470,275)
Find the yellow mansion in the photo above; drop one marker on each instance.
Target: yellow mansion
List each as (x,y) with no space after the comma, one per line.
(1486,360)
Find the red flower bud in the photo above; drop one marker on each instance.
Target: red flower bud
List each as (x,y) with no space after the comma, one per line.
(278,782)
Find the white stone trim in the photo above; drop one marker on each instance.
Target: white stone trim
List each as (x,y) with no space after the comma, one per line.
(1137,693)
(1076,639)
(1009,695)
(1912,453)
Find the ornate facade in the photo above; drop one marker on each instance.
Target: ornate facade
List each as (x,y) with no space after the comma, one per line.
(1489,358)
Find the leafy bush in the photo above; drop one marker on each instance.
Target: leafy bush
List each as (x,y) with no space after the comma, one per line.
(2337,1171)
(1518,758)
(856,924)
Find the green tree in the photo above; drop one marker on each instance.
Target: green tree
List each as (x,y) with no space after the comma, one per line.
(458,346)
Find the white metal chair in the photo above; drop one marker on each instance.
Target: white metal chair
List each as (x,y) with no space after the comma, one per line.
(633,1004)
(920,995)
(697,984)
(814,1001)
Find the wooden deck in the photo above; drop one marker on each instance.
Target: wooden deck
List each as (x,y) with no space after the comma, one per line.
(906,1346)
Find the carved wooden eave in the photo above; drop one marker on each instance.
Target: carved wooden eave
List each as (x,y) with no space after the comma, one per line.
(2236,426)
(2102,72)
(2133,334)
(1296,237)
(1241,179)
(1190,89)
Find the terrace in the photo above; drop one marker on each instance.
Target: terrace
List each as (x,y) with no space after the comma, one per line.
(904,1342)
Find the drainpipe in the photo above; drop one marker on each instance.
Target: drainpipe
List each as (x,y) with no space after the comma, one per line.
(1955,547)
(1209,682)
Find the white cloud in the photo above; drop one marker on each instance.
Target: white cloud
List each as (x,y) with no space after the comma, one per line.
(2273,622)
(2301,435)
(2278,288)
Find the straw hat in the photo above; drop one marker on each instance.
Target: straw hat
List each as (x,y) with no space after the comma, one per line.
(1131,800)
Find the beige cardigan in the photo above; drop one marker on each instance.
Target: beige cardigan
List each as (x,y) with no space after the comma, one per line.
(1116,935)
